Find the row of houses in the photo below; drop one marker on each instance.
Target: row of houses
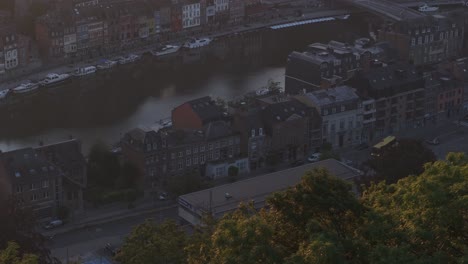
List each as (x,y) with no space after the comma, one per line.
(260,130)
(83,28)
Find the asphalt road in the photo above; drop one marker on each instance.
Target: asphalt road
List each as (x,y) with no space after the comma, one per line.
(87,242)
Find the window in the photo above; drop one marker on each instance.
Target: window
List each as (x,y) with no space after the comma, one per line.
(188,161)
(46,194)
(45,184)
(179,165)
(34,197)
(188,151)
(32,186)
(260,131)
(172,155)
(180,154)
(19,189)
(195,149)
(195,160)
(17,174)
(253,132)
(202,148)
(219,171)
(210,146)
(202,158)
(413,41)
(325,112)
(342,108)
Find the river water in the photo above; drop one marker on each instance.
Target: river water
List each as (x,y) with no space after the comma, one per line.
(106,108)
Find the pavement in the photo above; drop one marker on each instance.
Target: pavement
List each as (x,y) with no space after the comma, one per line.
(87,243)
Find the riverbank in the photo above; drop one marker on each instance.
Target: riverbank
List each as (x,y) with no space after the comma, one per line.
(42,70)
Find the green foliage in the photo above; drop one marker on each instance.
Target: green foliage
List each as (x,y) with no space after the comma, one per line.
(153,243)
(419,219)
(272,159)
(408,158)
(103,167)
(11,255)
(19,224)
(233,171)
(108,180)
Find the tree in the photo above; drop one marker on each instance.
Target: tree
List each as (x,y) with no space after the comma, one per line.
(11,255)
(103,167)
(154,243)
(129,176)
(407,158)
(430,209)
(19,224)
(233,171)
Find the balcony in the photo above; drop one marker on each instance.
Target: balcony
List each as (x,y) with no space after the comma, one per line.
(369,111)
(370,120)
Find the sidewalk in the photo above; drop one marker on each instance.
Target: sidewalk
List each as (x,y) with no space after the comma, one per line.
(109,213)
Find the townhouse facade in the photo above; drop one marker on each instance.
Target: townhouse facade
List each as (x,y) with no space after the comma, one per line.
(45,178)
(342,115)
(427,40)
(399,97)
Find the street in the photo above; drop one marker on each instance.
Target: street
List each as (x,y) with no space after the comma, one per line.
(89,242)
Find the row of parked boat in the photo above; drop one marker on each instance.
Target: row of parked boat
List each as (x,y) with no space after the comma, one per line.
(53,79)
(193,43)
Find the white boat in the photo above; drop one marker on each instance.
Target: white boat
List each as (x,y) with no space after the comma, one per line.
(4,93)
(107,64)
(128,59)
(262,91)
(85,71)
(166,50)
(54,78)
(197,43)
(26,87)
(428,8)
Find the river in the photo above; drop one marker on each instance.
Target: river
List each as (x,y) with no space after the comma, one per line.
(105,109)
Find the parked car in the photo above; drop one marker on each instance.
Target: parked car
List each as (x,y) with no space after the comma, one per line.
(297,163)
(53,224)
(314,157)
(362,146)
(163,196)
(434,141)
(111,249)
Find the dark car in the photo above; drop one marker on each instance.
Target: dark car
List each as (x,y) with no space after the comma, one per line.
(111,249)
(297,163)
(434,141)
(362,146)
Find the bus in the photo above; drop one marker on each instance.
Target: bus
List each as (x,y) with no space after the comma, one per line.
(380,148)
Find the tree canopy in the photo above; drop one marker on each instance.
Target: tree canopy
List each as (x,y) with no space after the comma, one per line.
(419,219)
(11,255)
(19,225)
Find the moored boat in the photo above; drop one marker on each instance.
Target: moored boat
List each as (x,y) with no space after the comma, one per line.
(428,8)
(26,87)
(165,50)
(107,64)
(84,71)
(197,43)
(54,78)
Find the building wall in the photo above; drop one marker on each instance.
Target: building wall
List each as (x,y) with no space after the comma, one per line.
(191,15)
(183,117)
(343,129)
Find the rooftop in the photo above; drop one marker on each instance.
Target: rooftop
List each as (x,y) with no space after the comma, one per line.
(258,188)
(333,95)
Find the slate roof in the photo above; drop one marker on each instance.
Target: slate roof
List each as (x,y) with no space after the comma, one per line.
(206,109)
(64,153)
(332,96)
(25,164)
(217,129)
(280,112)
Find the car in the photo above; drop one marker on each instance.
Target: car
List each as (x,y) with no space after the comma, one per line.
(314,157)
(362,146)
(53,224)
(434,141)
(163,196)
(297,163)
(111,249)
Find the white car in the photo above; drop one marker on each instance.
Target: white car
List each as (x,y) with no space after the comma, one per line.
(314,157)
